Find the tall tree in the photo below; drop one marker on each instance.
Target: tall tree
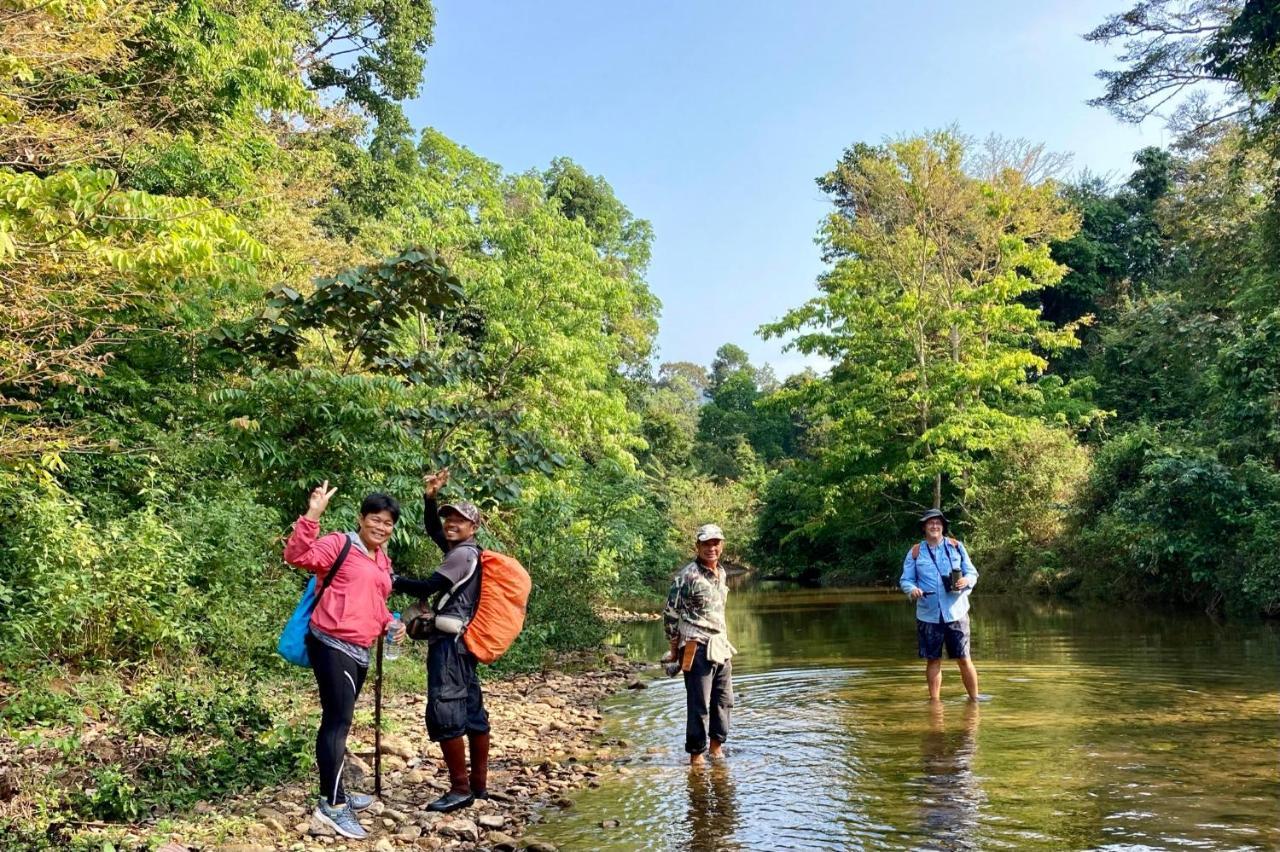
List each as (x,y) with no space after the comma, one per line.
(1207,62)
(935,357)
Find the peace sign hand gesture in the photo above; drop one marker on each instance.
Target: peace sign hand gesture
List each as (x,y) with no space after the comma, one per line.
(319,500)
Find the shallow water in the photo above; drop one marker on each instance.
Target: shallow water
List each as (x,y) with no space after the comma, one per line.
(1099,729)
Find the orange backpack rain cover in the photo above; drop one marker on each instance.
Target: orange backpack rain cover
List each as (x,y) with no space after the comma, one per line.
(499,618)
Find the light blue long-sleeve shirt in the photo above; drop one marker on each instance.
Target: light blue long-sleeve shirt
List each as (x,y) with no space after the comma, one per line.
(925,573)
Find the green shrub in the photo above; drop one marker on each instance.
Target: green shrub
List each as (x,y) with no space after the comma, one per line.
(1164,518)
(1021,502)
(222,706)
(185,774)
(171,578)
(32,702)
(585,537)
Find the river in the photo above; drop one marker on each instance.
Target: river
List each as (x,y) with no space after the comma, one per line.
(1110,729)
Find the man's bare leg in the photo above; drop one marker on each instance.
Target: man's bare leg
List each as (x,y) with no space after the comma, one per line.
(715,752)
(697,760)
(933,674)
(969,675)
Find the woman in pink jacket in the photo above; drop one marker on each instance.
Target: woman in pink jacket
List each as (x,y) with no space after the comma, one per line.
(351,615)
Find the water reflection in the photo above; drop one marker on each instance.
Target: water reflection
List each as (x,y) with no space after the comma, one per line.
(951,797)
(712,816)
(1108,729)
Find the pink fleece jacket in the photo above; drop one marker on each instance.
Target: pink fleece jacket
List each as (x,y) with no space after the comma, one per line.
(354,607)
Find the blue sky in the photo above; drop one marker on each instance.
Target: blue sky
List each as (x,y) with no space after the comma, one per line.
(711,119)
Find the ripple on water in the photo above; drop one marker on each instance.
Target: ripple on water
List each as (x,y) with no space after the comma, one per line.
(1117,743)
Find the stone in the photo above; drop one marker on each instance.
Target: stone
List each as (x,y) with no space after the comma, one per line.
(610,823)
(318,829)
(637,684)
(391,813)
(384,845)
(354,772)
(275,826)
(463,829)
(539,846)
(501,842)
(243,847)
(409,833)
(491,821)
(400,747)
(302,828)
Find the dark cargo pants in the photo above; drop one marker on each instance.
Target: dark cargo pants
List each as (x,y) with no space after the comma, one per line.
(709,698)
(455,704)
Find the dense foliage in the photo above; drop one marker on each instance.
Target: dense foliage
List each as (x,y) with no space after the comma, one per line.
(1084,375)
(229,269)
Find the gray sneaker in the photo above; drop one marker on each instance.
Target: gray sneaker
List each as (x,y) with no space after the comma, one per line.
(341,819)
(359,801)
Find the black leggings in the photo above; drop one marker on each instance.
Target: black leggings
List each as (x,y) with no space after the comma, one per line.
(339,678)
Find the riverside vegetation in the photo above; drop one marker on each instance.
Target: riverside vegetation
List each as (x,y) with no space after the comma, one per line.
(229,268)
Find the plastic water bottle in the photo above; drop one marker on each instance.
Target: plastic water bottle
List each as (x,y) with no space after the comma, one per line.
(391,648)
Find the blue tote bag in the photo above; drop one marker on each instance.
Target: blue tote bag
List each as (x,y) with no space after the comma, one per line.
(293,639)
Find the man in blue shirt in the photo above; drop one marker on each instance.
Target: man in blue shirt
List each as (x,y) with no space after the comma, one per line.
(938,575)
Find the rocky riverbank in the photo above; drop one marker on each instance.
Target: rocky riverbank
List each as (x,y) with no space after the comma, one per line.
(546,743)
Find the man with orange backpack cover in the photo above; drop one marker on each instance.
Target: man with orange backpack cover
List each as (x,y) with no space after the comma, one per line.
(456,716)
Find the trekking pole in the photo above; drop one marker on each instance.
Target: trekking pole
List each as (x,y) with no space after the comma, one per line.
(377,725)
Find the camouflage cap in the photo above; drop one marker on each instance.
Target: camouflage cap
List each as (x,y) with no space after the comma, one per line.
(463,508)
(709,532)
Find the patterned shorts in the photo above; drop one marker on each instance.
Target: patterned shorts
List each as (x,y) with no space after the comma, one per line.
(931,636)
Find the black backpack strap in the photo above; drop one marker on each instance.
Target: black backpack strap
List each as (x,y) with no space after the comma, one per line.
(444,598)
(333,569)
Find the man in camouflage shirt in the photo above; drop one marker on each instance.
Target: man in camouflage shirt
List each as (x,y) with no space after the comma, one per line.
(695,626)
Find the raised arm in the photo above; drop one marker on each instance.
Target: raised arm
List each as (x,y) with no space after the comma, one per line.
(431,484)
(304,549)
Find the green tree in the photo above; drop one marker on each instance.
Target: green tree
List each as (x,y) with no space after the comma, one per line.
(1211,61)
(935,356)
